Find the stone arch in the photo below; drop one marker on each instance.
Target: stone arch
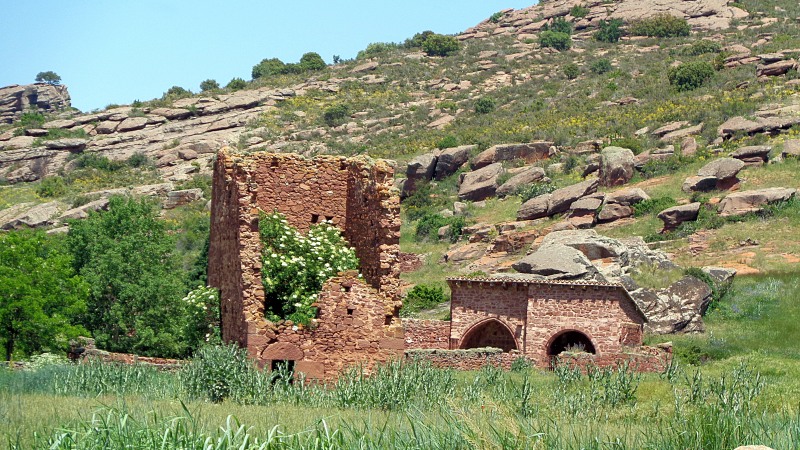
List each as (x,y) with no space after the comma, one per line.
(489,333)
(570,338)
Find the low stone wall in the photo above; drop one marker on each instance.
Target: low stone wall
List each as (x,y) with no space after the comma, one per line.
(640,359)
(127,358)
(426,334)
(469,359)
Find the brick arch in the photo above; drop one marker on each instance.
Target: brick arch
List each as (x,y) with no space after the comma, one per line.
(567,336)
(489,333)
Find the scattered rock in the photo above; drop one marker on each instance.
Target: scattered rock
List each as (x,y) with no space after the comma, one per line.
(557,262)
(530,153)
(775,69)
(528,176)
(39,216)
(791,148)
(132,124)
(480,184)
(366,67)
(178,198)
(616,166)
(741,203)
(753,155)
(561,199)
(676,309)
(451,159)
(73,145)
(718,174)
(673,217)
(534,208)
(82,212)
(467,252)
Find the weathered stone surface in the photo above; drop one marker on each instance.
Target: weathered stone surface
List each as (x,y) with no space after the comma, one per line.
(689,146)
(21,175)
(557,262)
(738,124)
(699,184)
(178,198)
(673,217)
(528,176)
(82,212)
(153,190)
(534,208)
(592,146)
(682,133)
(531,152)
(39,216)
(66,144)
(616,166)
(366,67)
(627,196)
(752,152)
(741,203)
(561,199)
(132,124)
(593,245)
(676,309)
(421,168)
(722,168)
(720,275)
(776,68)
(791,148)
(106,127)
(451,159)
(16,99)
(613,211)
(480,184)
(467,252)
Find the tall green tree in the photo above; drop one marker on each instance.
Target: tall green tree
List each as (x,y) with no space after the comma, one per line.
(127,257)
(41,297)
(48,77)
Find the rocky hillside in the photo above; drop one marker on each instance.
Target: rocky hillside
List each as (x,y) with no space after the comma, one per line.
(568,115)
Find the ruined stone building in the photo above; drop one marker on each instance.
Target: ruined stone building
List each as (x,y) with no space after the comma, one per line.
(357,319)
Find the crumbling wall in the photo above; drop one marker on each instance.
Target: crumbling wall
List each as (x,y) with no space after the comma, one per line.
(427,334)
(357,196)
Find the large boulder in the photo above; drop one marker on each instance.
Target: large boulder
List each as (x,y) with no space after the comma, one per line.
(673,217)
(628,196)
(39,216)
(737,125)
(557,262)
(531,152)
(676,309)
(480,184)
(182,197)
(535,208)
(421,168)
(616,166)
(718,174)
(16,99)
(583,212)
(791,148)
(527,176)
(753,154)
(775,69)
(592,245)
(561,199)
(741,203)
(451,159)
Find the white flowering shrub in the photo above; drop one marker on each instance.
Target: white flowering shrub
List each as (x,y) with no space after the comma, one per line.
(294,266)
(202,305)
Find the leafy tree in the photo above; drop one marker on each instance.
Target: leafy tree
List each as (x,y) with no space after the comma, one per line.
(336,114)
(311,61)
(209,85)
(418,39)
(555,39)
(559,25)
(136,288)
(176,92)
(236,84)
(440,45)
(41,297)
(609,31)
(48,77)
(691,75)
(268,67)
(571,71)
(661,25)
(484,105)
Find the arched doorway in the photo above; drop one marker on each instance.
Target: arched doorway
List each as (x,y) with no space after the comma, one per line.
(490,333)
(570,340)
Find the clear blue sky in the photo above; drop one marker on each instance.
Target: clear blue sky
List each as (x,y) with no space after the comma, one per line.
(117,51)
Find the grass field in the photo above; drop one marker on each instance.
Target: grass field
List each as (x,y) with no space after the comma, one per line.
(737,384)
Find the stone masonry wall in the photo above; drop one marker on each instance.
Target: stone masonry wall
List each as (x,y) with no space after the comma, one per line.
(472,359)
(472,304)
(356,194)
(427,334)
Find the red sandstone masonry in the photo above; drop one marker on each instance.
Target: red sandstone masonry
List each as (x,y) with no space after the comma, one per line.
(357,321)
(427,334)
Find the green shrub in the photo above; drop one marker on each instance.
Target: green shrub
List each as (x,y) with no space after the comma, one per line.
(484,105)
(268,67)
(99,162)
(600,66)
(294,267)
(377,49)
(176,92)
(661,25)
(440,45)
(571,71)
(657,167)
(448,141)
(312,62)
(428,226)
(609,31)
(418,39)
(422,297)
(139,160)
(633,144)
(209,85)
(31,119)
(534,190)
(555,39)
(653,206)
(494,18)
(336,115)
(236,84)
(559,25)
(579,11)
(702,47)
(52,187)
(691,75)
(521,364)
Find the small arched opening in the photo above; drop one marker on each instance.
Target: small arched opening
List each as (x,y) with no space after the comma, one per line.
(570,341)
(490,333)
